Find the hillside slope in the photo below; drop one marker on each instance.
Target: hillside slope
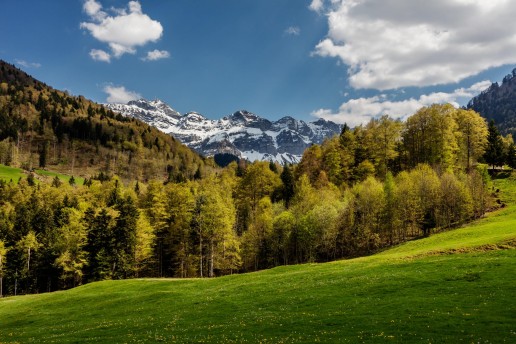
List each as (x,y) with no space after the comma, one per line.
(498,103)
(41,126)
(417,292)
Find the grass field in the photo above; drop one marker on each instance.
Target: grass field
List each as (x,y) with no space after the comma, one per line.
(8,173)
(454,287)
(63,177)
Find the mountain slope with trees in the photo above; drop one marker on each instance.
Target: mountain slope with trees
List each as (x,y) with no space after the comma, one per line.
(369,188)
(498,103)
(44,127)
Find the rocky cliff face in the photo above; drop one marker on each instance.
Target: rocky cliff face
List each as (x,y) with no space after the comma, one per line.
(243,133)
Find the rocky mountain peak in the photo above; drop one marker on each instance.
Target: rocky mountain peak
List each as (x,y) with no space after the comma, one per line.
(242,133)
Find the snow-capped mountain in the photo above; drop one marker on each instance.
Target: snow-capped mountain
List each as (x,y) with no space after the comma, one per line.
(243,133)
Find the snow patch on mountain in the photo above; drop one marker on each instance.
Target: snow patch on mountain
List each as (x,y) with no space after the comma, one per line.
(242,133)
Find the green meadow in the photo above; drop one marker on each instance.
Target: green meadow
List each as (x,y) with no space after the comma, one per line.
(454,287)
(63,177)
(9,173)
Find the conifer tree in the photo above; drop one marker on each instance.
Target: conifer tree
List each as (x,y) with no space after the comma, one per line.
(56,182)
(287,178)
(511,156)
(494,154)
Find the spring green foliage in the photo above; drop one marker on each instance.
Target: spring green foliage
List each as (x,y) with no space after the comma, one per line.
(169,213)
(451,287)
(46,128)
(341,201)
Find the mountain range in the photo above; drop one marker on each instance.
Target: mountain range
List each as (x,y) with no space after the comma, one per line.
(242,133)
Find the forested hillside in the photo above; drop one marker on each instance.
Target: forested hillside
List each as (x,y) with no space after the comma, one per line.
(44,127)
(498,103)
(369,188)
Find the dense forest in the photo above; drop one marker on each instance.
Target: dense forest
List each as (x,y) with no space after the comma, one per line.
(150,207)
(44,127)
(371,187)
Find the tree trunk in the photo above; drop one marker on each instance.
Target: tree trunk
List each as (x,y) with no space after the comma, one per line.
(211,258)
(1,276)
(200,254)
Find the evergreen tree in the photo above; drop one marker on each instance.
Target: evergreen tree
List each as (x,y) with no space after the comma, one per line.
(56,182)
(100,242)
(30,179)
(287,178)
(124,238)
(511,156)
(494,154)
(273,167)
(43,155)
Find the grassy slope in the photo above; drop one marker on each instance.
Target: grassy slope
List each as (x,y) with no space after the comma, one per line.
(407,294)
(63,177)
(8,173)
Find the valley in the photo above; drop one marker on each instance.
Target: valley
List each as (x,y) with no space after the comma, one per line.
(316,171)
(451,287)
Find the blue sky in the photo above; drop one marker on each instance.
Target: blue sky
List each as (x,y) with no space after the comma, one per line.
(342,60)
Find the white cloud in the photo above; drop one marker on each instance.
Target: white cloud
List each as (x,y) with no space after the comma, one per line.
(316,5)
(100,55)
(397,43)
(118,94)
(156,55)
(26,64)
(361,110)
(93,9)
(292,31)
(124,31)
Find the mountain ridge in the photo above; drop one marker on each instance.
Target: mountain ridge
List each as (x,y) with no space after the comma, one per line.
(241,133)
(498,103)
(45,127)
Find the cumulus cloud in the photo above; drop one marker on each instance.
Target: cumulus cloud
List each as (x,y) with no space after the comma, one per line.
(390,44)
(26,64)
(118,94)
(361,110)
(316,5)
(292,31)
(94,9)
(156,55)
(123,31)
(100,55)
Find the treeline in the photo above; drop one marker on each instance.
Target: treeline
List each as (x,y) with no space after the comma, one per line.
(43,127)
(60,236)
